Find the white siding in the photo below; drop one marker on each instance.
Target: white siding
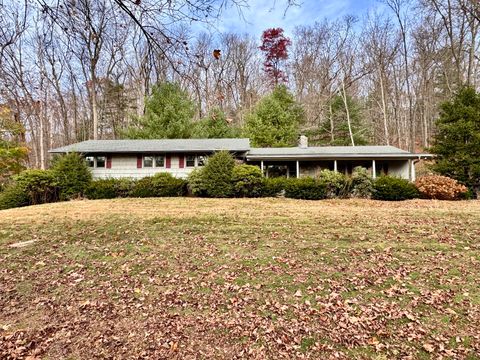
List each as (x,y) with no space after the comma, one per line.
(125,166)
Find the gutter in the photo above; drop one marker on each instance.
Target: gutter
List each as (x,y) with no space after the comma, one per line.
(340,157)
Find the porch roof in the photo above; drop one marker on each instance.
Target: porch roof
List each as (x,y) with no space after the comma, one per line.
(333,153)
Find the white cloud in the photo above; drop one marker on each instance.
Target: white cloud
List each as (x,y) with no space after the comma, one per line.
(263,14)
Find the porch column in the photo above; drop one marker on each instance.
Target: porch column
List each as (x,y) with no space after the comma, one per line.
(335,165)
(374,169)
(261,167)
(298,169)
(412,170)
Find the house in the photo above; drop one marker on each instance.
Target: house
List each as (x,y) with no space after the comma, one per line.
(140,158)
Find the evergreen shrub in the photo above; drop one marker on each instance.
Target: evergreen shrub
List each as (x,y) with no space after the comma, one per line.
(73,175)
(306,188)
(247,181)
(273,187)
(391,188)
(159,185)
(361,183)
(337,184)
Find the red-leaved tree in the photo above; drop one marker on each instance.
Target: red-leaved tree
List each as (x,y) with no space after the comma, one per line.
(275,46)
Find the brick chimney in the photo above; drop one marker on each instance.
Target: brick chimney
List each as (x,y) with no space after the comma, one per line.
(303,142)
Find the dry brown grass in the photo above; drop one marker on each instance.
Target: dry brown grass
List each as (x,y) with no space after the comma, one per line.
(258,278)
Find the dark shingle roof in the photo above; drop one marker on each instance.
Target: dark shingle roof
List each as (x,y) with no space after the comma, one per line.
(151,146)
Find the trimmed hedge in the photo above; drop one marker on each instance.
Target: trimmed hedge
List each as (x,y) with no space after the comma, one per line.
(273,187)
(159,185)
(44,186)
(391,188)
(109,188)
(306,188)
(247,181)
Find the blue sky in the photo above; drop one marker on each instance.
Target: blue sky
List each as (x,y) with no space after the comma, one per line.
(263,14)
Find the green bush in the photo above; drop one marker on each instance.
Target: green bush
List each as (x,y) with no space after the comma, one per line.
(41,186)
(217,175)
(73,175)
(337,184)
(247,181)
(101,189)
(306,188)
(12,197)
(159,185)
(109,188)
(361,183)
(273,187)
(196,183)
(393,189)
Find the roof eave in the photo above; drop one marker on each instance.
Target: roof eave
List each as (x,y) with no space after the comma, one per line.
(86,151)
(340,156)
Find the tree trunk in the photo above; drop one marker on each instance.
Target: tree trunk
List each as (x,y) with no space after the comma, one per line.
(347,112)
(384,111)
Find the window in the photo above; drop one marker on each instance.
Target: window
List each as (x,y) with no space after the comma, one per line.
(148,161)
(201,160)
(100,161)
(190,160)
(159,161)
(90,160)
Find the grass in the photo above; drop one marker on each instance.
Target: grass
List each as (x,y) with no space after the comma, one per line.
(259,278)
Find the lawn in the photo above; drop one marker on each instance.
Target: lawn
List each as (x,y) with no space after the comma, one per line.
(240,278)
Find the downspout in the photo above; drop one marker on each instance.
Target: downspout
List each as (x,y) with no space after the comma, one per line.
(412,169)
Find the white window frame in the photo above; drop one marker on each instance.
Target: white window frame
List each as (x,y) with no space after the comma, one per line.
(155,161)
(143,161)
(93,161)
(96,162)
(194,161)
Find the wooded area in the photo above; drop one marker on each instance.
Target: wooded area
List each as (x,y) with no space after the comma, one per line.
(72,70)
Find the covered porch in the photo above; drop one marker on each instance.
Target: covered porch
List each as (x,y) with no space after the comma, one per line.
(303,161)
(311,168)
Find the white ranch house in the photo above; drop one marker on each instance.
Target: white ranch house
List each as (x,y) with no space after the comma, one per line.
(140,158)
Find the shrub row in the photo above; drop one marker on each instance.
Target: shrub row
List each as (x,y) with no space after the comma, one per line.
(67,179)
(159,185)
(70,178)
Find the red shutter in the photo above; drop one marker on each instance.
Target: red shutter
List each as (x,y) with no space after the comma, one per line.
(181,161)
(139,161)
(109,161)
(168,161)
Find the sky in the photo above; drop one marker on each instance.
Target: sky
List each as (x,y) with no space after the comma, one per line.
(263,14)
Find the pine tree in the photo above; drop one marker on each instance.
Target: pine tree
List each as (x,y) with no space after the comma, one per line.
(275,121)
(457,141)
(215,126)
(323,134)
(169,114)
